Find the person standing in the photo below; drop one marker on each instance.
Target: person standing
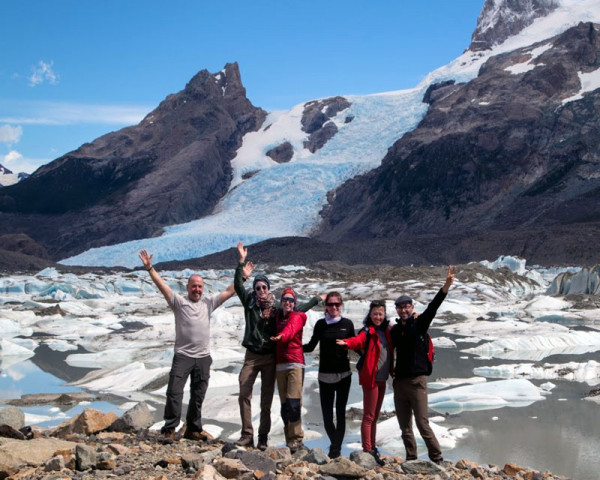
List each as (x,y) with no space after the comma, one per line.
(335,376)
(192,349)
(376,341)
(411,343)
(260,310)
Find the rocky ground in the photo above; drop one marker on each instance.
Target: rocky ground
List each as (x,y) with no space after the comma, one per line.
(97,445)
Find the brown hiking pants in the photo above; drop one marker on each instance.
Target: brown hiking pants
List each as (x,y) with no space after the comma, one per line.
(289,384)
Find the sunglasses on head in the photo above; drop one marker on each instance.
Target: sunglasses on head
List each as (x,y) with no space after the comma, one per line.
(261,287)
(333,304)
(288,299)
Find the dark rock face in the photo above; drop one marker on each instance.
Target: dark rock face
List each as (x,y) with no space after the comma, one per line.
(4,170)
(500,19)
(282,153)
(22,243)
(438,91)
(501,153)
(171,168)
(315,120)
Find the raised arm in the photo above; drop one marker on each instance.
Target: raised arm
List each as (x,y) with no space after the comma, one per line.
(231,290)
(156,278)
(313,302)
(428,315)
(240,273)
(449,278)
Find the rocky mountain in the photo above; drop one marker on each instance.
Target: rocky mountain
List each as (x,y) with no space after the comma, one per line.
(4,170)
(516,149)
(500,19)
(171,168)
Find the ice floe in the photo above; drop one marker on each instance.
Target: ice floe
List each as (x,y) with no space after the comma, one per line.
(588,372)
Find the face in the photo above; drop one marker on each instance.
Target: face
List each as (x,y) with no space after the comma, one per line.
(377,315)
(195,287)
(261,289)
(334,306)
(287,304)
(405,310)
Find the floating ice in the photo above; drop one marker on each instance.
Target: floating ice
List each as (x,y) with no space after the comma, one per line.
(388,435)
(8,348)
(588,372)
(124,379)
(440,383)
(443,342)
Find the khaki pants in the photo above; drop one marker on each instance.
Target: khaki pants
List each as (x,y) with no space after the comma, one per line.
(410,396)
(289,384)
(253,365)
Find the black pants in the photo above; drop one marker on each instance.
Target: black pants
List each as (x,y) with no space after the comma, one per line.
(335,392)
(181,369)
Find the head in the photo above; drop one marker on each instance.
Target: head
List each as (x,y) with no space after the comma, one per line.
(288,301)
(333,304)
(404,307)
(376,314)
(195,288)
(261,286)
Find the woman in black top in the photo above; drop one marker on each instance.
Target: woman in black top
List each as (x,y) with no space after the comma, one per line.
(335,376)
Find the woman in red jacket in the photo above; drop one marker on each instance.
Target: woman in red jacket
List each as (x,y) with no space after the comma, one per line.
(375,370)
(290,367)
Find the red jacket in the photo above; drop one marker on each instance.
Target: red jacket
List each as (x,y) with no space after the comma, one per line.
(366,376)
(289,348)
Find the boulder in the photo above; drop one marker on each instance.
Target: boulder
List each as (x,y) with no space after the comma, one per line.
(278,454)
(85,457)
(55,464)
(13,417)
(88,422)
(198,460)
(317,456)
(254,461)
(363,459)
(465,464)
(134,419)
(38,450)
(105,461)
(423,467)
(512,469)
(320,137)
(230,467)
(118,449)
(282,153)
(342,467)
(208,472)
(7,431)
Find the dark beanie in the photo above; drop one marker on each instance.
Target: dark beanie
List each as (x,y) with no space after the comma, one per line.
(403,299)
(261,278)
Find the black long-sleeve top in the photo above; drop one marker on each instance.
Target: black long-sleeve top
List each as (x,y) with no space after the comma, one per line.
(333,358)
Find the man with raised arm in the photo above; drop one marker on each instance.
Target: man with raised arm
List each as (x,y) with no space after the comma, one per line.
(413,365)
(260,311)
(192,349)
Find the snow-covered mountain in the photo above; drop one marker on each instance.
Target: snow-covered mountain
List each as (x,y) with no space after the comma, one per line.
(7,177)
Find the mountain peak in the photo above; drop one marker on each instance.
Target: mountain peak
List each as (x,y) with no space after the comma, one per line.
(4,170)
(500,19)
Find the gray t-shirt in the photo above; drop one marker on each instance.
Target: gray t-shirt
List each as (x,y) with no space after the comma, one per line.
(383,365)
(192,324)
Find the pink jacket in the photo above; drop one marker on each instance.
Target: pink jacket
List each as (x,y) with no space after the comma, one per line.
(289,348)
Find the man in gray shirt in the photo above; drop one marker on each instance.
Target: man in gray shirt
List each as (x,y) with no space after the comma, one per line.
(192,352)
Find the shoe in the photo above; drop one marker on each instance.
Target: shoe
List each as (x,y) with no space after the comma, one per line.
(196,436)
(334,451)
(378,459)
(245,442)
(168,436)
(439,461)
(263,442)
(295,446)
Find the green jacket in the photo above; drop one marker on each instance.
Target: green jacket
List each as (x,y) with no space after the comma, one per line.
(257,333)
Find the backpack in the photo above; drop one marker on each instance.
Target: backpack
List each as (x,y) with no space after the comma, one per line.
(430,352)
(361,359)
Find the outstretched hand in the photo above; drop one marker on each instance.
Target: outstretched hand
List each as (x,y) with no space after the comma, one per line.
(146,259)
(247,270)
(449,278)
(242,251)
(341,343)
(277,338)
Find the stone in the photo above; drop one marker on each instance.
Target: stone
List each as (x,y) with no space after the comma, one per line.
(64,452)
(230,467)
(317,456)
(278,454)
(349,118)
(134,419)
(282,153)
(12,417)
(111,435)
(35,451)
(197,461)
(88,422)
(118,449)
(465,464)
(55,464)
(7,471)
(477,472)
(7,431)
(342,467)
(254,461)
(85,457)
(319,138)
(208,472)
(422,467)
(49,311)
(512,469)
(105,461)
(363,459)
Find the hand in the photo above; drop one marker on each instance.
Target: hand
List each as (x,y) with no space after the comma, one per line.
(247,270)
(323,296)
(449,278)
(242,251)
(146,259)
(277,338)
(341,343)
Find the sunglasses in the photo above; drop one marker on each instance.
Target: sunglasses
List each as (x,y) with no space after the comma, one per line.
(404,306)
(334,304)
(288,299)
(261,287)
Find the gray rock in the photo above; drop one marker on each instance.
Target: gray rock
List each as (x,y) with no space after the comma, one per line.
(320,137)
(278,454)
(137,418)
(12,417)
(55,464)
(208,472)
(317,112)
(198,460)
(342,467)
(422,467)
(363,459)
(349,118)
(254,461)
(317,455)
(85,457)
(105,461)
(281,153)
(230,467)
(6,431)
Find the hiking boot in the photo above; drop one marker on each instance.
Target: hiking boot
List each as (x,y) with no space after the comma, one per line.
(168,436)
(295,446)
(245,442)
(334,451)
(439,461)
(196,436)
(378,459)
(263,442)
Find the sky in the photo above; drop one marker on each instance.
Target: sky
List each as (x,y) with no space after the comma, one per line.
(72,70)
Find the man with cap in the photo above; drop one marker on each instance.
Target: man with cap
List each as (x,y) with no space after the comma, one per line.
(260,311)
(411,342)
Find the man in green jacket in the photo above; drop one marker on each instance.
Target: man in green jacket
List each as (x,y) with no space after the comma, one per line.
(260,309)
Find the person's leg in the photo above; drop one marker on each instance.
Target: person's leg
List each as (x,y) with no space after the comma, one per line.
(342,393)
(404,416)
(267,390)
(200,379)
(419,402)
(247,379)
(282,380)
(180,371)
(327,395)
(369,405)
(380,387)
(294,400)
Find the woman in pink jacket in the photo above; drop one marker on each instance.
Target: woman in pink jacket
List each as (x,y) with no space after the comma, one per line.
(290,367)
(374,372)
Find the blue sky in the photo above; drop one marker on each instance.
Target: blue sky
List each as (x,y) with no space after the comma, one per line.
(71,71)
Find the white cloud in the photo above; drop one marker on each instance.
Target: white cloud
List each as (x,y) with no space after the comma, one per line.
(16,162)
(12,156)
(43,72)
(10,134)
(64,113)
